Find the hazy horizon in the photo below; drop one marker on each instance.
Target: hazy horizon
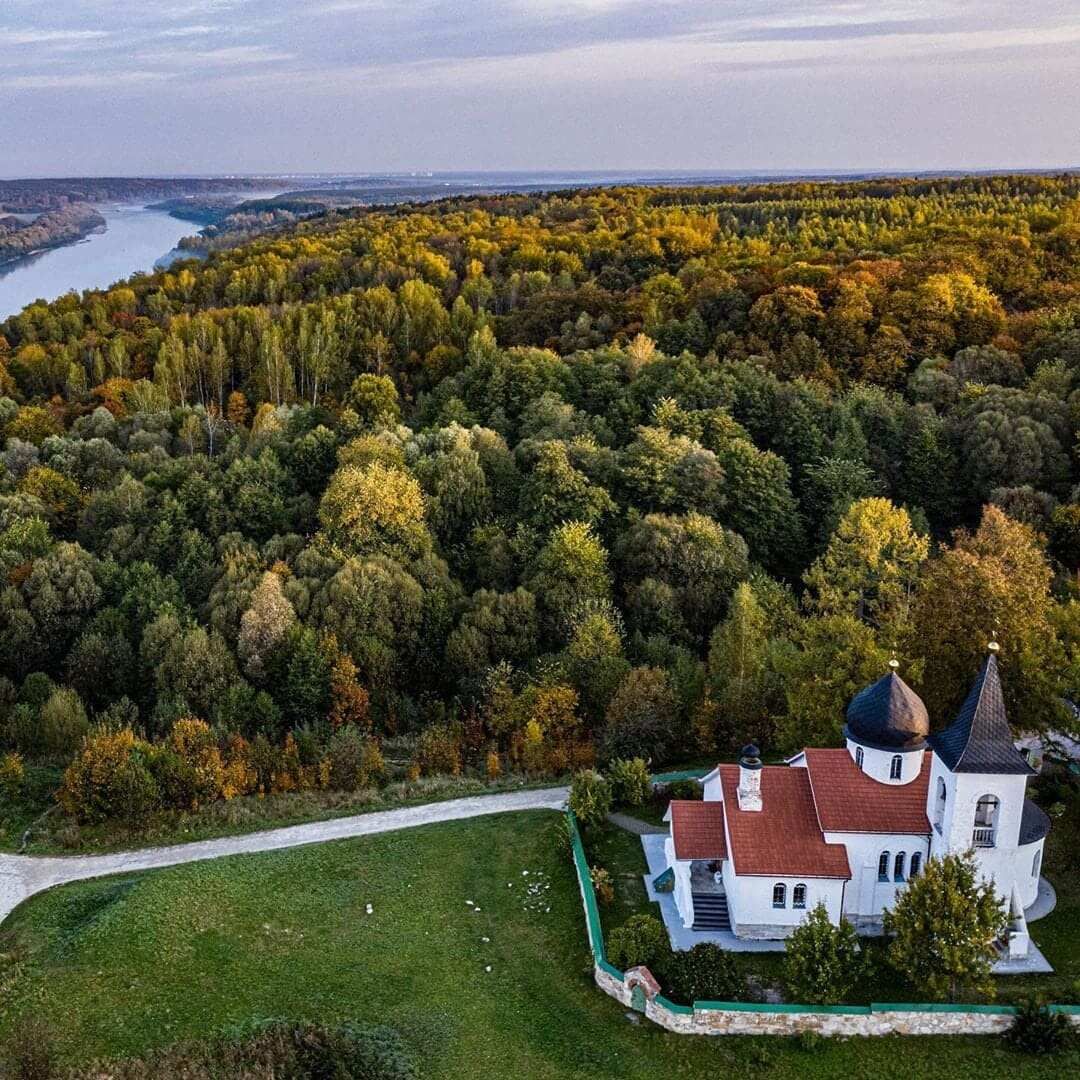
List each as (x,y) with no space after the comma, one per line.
(191,87)
(586,172)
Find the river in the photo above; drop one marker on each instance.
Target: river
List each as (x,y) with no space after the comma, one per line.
(136,238)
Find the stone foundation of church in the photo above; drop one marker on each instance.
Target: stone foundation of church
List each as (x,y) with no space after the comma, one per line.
(762,931)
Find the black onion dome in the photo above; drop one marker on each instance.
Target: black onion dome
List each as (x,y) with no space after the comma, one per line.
(888,715)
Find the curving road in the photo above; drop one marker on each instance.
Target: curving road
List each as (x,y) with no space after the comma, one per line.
(21,876)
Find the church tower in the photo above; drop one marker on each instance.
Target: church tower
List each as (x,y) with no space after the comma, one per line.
(977,793)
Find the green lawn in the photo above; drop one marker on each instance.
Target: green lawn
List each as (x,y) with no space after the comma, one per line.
(123,964)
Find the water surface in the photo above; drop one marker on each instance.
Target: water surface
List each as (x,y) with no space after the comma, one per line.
(136,238)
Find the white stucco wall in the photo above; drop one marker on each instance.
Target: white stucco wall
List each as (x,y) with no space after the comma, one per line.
(681,867)
(750,903)
(1006,863)
(878,763)
(713,790)
(865,898)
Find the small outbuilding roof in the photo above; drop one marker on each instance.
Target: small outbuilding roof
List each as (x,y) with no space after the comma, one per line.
(979,739)
(697,829)
(782,839)
(888,715)
(850,801)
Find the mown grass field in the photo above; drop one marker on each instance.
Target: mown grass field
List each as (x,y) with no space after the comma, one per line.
(123,964)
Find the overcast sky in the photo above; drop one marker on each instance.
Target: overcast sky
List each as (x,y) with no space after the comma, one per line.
(159,86)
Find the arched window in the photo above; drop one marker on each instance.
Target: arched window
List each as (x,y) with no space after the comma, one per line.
(1035,864)
(896,768)
(883,867)
(779,895)
(798,896)
(859,756)
(916,864)
(939,803)
(898,866)
(986,813)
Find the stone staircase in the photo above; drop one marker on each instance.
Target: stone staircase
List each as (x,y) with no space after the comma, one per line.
(711,911)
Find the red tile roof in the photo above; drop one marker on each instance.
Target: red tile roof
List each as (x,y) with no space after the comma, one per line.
(782,839)
(850,801)
(698,829)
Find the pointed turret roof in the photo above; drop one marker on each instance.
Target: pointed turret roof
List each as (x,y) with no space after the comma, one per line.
(979,739)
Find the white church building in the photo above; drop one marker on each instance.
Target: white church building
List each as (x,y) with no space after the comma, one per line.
(851,827)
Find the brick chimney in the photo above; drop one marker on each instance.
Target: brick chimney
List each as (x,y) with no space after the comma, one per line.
(750,778)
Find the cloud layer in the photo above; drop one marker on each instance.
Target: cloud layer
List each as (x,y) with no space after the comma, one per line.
(217,85)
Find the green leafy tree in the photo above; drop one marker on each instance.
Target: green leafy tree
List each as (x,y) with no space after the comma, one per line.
(556,492)
(704,973)
(571,571)
(871,566)
(590,797)
(631,784)
(822,962)
(830,660)
(742,683)
(996,576)
(374,399)
(944,925)
(641,940)
(374,510)
(642,718)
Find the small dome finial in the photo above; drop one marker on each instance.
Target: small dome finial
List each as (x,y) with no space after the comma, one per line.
(992,644)
(893,662)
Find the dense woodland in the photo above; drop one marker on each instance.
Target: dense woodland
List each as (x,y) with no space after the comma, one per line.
(530,480)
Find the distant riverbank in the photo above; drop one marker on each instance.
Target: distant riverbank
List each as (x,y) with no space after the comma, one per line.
(21,238)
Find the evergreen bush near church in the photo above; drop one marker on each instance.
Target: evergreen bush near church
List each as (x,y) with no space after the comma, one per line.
(590,797)
(630,783)
(823,961)
(1037,1030)
(640,940)
(944,926)
(704,973)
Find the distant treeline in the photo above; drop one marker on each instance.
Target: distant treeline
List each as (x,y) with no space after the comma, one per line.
(39,195)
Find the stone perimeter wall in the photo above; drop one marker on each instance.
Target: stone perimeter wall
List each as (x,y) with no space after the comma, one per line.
(792,1020)
(751,1019)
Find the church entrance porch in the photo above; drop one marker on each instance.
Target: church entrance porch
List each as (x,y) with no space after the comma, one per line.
(686,937)
(708,896)
(705,877)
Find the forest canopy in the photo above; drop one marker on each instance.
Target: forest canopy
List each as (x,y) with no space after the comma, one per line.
(538,479)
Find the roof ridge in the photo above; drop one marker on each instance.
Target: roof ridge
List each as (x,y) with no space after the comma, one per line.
(980,682)
(813,794)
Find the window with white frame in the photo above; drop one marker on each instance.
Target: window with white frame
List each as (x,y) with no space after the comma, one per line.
(916,864)
(896,769)
(883,866)
(779,895)
(898,866)
(859,756)
(798,896)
